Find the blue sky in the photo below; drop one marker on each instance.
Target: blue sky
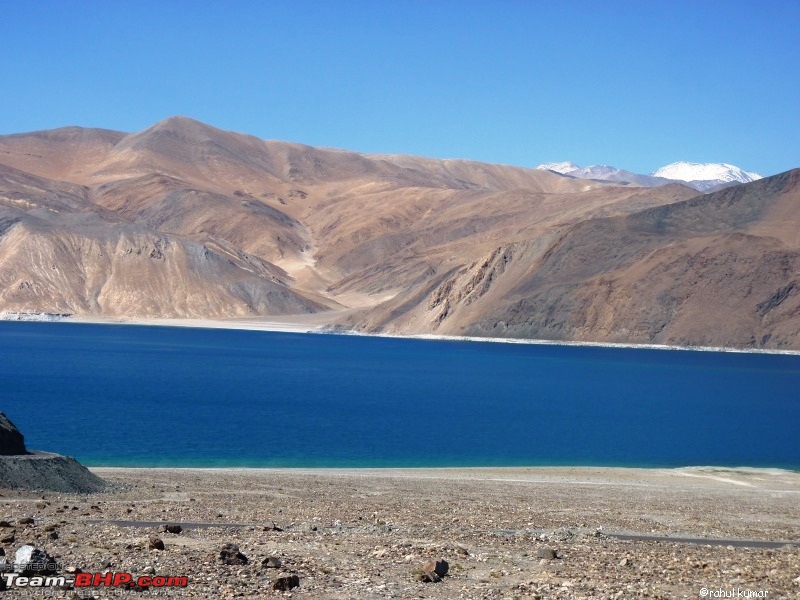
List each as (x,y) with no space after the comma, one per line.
(633,84)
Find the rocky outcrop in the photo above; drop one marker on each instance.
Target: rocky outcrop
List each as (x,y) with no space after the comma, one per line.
(11,440)
(47,472)
(24,470)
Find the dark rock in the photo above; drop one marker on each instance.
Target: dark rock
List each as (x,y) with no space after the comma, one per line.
(26,521)
(170,529)
(440,567)
(53,535)
(229,555)
(547,553)
(284,584)
(273,562)
(11,440)
(30,560)
(9,539)
(156,543)
(5,524)
(432,571)
(431,577)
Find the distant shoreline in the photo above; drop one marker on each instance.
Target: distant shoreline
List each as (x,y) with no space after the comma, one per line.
(316,324)
(738,477)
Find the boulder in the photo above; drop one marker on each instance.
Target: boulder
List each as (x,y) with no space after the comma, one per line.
(229,555)
(170,529)
(284,584)
(440,567)
(273,562)
(547,553)
(432,571)
(156,543)
(30,560)
(11,440)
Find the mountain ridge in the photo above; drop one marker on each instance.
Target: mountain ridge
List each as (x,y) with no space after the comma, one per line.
(186,220)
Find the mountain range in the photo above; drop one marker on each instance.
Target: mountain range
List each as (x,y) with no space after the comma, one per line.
(189,221)
(703,177)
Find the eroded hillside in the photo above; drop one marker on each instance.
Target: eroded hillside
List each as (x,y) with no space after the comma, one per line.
(185,220)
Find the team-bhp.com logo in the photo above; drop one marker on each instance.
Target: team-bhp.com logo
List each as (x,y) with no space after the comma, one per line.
(94,580)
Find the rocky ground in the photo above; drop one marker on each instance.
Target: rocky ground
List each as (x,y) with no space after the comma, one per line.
(504,533)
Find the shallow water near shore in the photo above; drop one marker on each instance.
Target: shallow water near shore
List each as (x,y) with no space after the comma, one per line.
(168,396)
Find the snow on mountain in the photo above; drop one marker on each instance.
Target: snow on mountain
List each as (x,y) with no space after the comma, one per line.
(559,167)
(704,176)
(603,173)
(596,170)
(701,176)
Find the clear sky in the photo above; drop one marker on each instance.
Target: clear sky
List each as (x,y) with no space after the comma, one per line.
(634,84)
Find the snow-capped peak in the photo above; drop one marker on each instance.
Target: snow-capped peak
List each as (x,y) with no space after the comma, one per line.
(559,167)
(711,172)
(703,177)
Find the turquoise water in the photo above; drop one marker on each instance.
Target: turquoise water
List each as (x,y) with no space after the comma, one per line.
(164,396)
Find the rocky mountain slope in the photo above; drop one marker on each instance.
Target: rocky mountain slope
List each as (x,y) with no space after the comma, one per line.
(719,269)
(186,220)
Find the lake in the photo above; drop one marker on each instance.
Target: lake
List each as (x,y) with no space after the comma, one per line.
(170,396)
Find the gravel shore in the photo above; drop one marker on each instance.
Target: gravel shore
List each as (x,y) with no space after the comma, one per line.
(368,533)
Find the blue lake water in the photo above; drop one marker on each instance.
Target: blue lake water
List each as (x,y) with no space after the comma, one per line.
(169,396)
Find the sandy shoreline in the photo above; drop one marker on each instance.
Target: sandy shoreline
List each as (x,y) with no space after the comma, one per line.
(352,533)
(711,477)
(318,323)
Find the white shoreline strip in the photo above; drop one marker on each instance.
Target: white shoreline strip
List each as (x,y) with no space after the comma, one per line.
(464,338)
(582,476)
(290,325)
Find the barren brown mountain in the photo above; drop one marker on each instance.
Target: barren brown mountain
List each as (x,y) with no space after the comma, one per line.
(185,220)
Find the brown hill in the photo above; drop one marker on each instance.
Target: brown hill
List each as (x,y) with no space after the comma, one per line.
(717,270)
(183,219)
